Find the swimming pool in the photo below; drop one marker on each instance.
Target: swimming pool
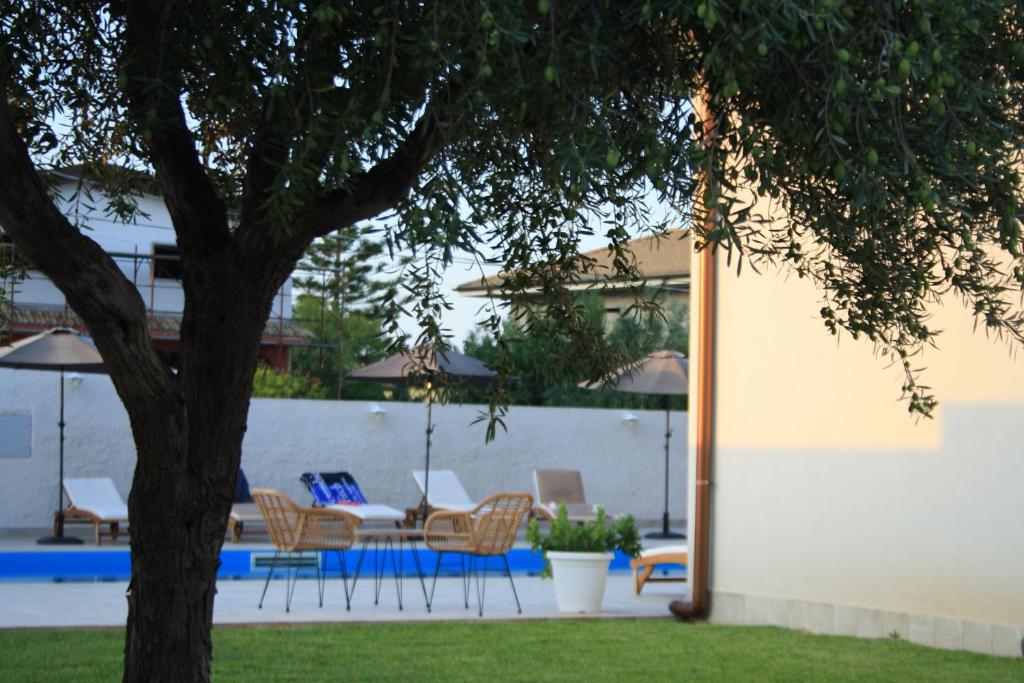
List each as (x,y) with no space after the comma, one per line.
(242,564)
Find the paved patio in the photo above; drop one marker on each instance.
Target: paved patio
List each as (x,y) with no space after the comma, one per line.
(34,605)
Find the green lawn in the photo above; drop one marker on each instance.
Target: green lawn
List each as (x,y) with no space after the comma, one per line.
(651,649)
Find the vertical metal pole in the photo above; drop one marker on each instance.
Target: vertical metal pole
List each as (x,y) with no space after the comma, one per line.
(668,435)
(60,476)
(430,430)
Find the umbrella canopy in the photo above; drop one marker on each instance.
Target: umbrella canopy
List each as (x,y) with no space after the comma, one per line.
(63,350)
(424,362)
(663,372)
(56,349)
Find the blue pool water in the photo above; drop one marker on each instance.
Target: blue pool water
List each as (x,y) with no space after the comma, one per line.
(115,565)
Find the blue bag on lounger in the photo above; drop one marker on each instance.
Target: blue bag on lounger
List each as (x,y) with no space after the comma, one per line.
(355,494)
(320,490)
(334,488)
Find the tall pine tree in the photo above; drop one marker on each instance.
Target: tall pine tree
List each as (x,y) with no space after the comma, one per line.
(341,288)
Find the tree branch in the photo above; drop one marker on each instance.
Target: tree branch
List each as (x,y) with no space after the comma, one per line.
(378,189)
(370,194)
(269,146)
(95,287)
(197,212)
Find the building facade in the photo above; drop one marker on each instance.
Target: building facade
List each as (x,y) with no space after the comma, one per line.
(147,254)
(664,262)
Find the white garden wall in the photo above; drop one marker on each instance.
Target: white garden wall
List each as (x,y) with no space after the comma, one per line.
(622,463)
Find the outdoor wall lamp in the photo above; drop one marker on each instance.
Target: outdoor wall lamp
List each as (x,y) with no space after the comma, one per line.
(74,380)
(629,419)
(377,411)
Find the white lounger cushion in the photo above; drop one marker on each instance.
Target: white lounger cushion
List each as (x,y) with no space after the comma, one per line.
(575,511)
(446,491)
(371,512)
(665,550)
(97,496)
(246,512)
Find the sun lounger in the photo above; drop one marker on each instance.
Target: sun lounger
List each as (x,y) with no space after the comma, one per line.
(644,565)
(340,490)
(446,491)
(244,512)
(243,516)
(96,501)
(562,487)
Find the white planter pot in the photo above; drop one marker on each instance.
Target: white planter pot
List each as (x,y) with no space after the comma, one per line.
(579,580)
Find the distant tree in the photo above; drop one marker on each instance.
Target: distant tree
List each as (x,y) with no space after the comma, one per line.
(361,342)
(341,274)
(641,335)
(272,383)
(547,375)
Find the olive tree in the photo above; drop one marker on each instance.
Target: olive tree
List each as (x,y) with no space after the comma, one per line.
(888,132)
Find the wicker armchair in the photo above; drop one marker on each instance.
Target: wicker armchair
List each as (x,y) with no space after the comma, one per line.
(295,530)
(488,530)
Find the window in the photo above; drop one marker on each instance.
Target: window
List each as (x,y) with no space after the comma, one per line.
(166,262)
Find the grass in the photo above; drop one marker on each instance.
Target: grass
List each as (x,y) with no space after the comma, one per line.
(592,650)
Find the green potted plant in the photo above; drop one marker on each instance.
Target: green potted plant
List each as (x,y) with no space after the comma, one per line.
(578,555)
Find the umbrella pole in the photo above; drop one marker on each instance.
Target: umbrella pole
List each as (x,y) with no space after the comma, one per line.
(668,435)
(426,474)
(59,537)
(60,476)
(665,531)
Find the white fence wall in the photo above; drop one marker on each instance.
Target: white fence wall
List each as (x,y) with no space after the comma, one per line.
(622,463)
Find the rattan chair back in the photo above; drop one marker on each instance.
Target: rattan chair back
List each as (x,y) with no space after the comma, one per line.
(496,522)
(281,515)
(292,528)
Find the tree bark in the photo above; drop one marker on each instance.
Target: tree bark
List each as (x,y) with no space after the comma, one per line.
(181,493)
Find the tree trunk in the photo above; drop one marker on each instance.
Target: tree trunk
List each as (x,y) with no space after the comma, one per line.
(183,485)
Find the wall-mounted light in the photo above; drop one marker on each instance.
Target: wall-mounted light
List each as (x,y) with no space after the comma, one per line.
(74,380)
(629,419)
(377,411)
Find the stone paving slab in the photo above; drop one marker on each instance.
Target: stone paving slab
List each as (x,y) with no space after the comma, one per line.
(74,604)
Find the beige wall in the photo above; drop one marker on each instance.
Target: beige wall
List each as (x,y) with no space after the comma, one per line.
(827,491)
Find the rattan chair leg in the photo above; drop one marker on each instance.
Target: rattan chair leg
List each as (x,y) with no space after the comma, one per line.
(437,570)
(466,562)
(273,565)
(321,577)
(508,571)
(479,589)
(396,568)
(359,564)
(483,592)
(344,580)
(290,586)
(419,569)
(378,570)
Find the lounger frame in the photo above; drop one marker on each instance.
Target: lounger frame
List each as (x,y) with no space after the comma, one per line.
(73,515)
(643,568)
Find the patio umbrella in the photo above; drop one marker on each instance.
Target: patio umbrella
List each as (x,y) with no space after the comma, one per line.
(662,372)
(57,349)
(423,364)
